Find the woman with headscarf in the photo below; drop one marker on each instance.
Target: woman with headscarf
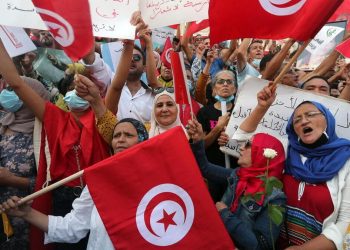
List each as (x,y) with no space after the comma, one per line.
(317,175)
(246,220)
(84,218)
(165,113)
(17,167)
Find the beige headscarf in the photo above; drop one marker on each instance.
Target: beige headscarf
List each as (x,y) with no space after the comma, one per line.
(23,120)
(156,127)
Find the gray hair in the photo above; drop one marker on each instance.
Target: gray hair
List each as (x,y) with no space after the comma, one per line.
(229,72)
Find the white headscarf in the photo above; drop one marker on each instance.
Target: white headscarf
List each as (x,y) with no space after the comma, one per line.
(156,127)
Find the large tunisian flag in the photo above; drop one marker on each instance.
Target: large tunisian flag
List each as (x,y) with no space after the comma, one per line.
(298,19)
(152,196)
(69,23)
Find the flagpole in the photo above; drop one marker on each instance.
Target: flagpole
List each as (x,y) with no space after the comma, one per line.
(223,112)
(290,63)
(51,187)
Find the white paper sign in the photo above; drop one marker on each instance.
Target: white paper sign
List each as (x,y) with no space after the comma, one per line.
(161,13)
(159,36)
(16,41)
(275,120)
(20,13)
(111,18)
(321,46)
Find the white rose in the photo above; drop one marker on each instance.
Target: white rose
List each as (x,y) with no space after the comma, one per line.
(270,153)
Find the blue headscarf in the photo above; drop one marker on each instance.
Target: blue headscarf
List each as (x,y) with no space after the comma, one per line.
(323,162)
(141,130)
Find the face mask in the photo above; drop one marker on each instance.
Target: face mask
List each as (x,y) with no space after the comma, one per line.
(222,99)
(74,102)
(189,85)
(256,62)
(10,101)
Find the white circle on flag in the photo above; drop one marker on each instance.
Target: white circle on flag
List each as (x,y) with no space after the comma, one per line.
(167,55)
(65,32)
(274,7)
(179,213)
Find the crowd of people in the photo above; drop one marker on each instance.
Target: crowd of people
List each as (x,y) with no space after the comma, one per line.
(51,130)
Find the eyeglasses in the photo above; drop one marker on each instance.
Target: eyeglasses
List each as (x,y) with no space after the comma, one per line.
(136,57)
(308,116)
(222,81)
(161,89)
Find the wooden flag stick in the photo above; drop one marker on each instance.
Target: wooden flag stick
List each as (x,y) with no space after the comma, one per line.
(290,63)
(51,187)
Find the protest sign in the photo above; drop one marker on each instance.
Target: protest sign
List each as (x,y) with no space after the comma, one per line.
(16,40)
(159,36)
(164,13)
(276,118)
(111,18)
(111,53)
(20,13)
(49,63)
(321,46)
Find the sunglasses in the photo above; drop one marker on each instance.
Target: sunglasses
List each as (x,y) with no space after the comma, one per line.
(222,81)
(136,57)
(162,89)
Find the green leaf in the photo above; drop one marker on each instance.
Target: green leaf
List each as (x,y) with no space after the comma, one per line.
(275,182)
(275,214)
(258,195)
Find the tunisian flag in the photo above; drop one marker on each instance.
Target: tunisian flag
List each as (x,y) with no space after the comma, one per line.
(342,13)
(344,48)
(196,26)
(165,58)
(69,23)
(298,19)
(153,196)
(182,95)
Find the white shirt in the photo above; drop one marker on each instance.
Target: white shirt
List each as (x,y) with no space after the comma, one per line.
(138,106)
(75,225)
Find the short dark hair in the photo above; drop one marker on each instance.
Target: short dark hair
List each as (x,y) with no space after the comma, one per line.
(254,41)
(265,60)
(316,77)
(142,53)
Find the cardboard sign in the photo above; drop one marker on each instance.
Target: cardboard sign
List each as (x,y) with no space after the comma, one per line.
(321,46)
(16,41)
(276,118)
(20,13)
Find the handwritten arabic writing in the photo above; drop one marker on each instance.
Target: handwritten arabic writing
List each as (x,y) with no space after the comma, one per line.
(103,27)
(160,7)
(11,6)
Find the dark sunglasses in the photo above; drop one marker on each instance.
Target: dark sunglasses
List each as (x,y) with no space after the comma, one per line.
(136,57)
(161,89)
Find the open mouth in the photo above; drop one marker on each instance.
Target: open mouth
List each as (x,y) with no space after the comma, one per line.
(307,130)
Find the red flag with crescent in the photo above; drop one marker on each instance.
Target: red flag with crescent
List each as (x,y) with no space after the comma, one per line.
(268,19)
(165,58)
(150,197)
(69,23)
(182,95)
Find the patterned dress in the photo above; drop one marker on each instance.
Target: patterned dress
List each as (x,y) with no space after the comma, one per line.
(17,155)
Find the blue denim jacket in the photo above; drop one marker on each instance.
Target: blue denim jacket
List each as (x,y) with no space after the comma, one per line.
(249,226)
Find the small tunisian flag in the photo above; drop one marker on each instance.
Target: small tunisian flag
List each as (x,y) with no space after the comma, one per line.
(196,26)
(344,48)
(182,95)
(69,23)
(298,19)
(153,196)
(165,58)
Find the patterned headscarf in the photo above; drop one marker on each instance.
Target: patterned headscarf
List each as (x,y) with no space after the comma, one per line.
(140,128)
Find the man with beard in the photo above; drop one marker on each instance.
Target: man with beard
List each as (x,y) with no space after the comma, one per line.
(136,97)
(46,40)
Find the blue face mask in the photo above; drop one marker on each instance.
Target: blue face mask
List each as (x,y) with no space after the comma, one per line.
(256,62)
(74,102)
(222,99)
(10,101)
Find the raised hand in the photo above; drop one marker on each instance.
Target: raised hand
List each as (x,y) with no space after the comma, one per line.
(195,130)
(267,96)
(86,89)
(223,139)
